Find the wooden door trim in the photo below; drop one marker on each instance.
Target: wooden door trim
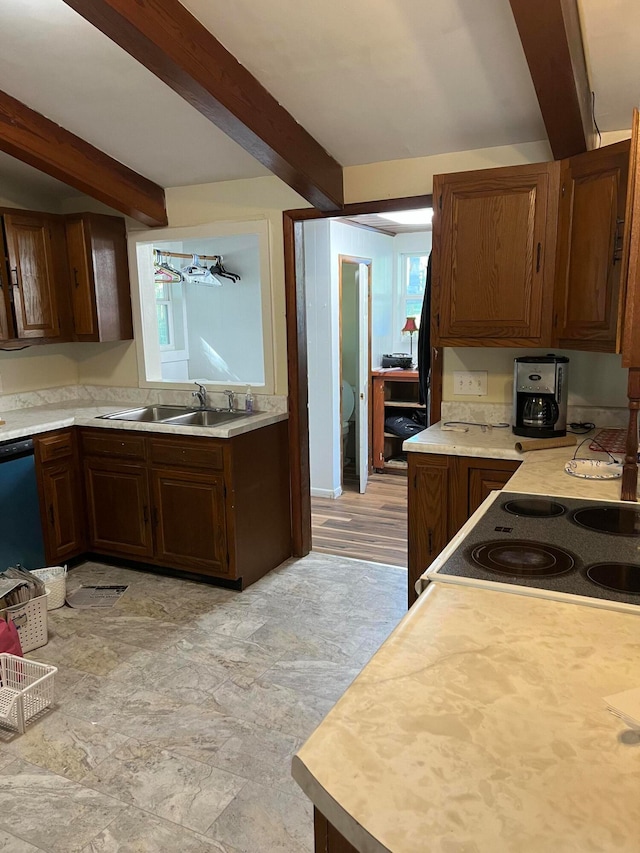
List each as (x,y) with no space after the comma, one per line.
(298,390)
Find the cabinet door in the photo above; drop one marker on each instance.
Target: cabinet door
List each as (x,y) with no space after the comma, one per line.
(629,317)
(33,271)
(62,511)
(487,478)
(100,289)
(428,499)
(189,520)
(117,495)
(593,189)
(81,284)
(494,237)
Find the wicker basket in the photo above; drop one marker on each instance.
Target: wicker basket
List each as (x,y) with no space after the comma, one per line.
(26,689)
(30,619)
(55,578)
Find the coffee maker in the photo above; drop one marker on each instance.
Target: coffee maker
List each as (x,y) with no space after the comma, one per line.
(540,396)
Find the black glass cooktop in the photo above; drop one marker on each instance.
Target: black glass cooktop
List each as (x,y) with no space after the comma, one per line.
(589,548)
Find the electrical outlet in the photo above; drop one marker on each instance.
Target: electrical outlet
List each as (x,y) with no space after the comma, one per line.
(470,383)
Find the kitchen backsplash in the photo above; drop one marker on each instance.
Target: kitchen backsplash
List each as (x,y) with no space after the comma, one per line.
(494,413)
(132,396)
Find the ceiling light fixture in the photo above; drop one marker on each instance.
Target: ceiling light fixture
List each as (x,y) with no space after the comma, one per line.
(410,217)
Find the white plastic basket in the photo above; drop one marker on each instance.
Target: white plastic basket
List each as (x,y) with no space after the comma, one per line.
(26,690)
(55,578)
(30,619)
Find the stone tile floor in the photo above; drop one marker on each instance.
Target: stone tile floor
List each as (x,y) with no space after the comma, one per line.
(178,710)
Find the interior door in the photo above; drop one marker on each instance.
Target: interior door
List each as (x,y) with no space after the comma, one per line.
(363,376)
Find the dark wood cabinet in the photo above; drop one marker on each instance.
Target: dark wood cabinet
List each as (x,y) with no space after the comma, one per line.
(593,191)
(99,277)
(63,278)
(118,508)
(326,837)
(213,507)
(444,491)
(493,260)
(395,393)
(189,520)
(60,493)
(34,274)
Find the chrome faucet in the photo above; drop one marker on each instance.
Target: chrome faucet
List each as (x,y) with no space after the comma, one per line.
(201,394)
(230,396)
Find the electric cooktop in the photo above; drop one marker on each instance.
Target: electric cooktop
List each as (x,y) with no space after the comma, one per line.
(552,547)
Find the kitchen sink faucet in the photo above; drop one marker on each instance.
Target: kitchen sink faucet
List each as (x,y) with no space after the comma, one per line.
(201,394)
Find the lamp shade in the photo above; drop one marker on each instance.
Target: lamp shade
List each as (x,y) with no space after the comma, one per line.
(410,325)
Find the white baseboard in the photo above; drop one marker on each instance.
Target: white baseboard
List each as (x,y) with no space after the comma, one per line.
(326,493)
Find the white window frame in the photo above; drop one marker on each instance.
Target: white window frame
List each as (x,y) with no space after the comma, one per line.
(145,323)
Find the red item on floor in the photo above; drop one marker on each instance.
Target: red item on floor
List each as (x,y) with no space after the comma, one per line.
(9,639)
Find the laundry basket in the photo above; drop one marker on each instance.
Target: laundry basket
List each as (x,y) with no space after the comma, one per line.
(26,690)
(55,578)
(31,621)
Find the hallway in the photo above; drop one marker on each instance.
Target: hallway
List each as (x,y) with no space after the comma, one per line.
(370,527)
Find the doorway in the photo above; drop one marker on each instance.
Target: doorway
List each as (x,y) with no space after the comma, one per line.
(355,368)
(298,368)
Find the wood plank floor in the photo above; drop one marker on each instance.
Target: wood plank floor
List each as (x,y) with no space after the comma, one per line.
(372,526)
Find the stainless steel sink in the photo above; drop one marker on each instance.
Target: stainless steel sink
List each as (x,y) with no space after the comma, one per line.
(177,415)
(206,418)
(148,414)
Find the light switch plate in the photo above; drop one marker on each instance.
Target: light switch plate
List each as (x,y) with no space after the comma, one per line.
(470,383)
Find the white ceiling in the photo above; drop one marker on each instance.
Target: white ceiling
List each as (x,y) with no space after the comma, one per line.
(372,80)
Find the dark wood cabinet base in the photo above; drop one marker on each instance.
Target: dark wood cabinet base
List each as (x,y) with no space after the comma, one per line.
(327,838)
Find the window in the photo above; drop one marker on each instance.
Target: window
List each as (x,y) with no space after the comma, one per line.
(166,338)
(413,284)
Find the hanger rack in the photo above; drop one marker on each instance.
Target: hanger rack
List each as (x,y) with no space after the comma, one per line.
(183,255)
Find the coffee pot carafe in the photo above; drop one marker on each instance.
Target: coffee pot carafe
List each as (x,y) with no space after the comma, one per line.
(540,396)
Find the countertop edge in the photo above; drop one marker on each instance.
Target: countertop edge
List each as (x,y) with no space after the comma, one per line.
(331,809)
(47,419)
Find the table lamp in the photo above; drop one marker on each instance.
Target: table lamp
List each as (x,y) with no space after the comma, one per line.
(409,328)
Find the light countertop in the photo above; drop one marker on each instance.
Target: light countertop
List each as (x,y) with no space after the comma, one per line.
(37,419)
(541,471)
(480,726)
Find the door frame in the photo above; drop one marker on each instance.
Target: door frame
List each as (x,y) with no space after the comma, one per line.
(368,262)
(298,391)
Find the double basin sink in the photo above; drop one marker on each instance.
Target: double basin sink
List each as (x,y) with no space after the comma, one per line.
(178,416)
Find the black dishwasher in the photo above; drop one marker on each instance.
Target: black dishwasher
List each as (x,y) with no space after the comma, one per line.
(20,528)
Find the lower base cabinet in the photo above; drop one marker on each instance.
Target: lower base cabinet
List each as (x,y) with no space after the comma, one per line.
(213,507)
(60,492)
(443,492)
(327,839)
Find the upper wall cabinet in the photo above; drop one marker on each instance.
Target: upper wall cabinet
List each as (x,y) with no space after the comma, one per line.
(494,236)
(593,191)
(534,255)
(99,277)
(32,244)
(64,278)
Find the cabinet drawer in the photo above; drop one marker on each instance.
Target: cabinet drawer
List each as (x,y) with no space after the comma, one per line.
(103,443)
(54,447)
(196,454)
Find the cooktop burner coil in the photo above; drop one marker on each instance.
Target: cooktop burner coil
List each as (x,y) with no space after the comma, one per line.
(522,558)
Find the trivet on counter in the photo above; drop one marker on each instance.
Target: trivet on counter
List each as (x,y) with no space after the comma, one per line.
(612,440)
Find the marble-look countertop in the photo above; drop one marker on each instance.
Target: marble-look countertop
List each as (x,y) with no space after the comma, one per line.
(37,419)
(480,726)
(541,471)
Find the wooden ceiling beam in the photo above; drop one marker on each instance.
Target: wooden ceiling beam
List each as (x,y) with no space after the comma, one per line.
(30,137)
(552,41)
(168,40)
